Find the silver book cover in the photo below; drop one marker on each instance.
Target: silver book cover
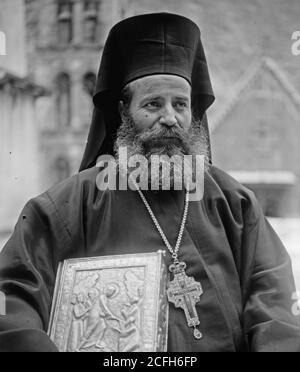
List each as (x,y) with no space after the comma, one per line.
(111,304)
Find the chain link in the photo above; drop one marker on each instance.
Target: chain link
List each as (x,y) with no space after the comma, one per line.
(174,252)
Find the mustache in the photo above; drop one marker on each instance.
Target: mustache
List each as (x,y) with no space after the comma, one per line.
(162,135)
(161,139)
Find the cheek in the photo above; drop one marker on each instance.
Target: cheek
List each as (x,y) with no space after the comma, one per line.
(187,120)
(144,120)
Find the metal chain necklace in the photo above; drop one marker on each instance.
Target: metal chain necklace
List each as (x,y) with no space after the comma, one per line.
(183,291)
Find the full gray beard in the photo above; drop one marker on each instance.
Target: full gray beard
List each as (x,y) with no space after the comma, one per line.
(163,141)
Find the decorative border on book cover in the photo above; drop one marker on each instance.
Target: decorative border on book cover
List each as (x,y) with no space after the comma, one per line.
(111,304)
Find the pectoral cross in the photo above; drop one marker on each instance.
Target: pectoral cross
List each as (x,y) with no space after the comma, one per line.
(184,292)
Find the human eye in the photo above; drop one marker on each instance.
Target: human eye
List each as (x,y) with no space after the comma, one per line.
(181,104)
(152,104)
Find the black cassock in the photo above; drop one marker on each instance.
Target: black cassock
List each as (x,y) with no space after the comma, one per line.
(227,245)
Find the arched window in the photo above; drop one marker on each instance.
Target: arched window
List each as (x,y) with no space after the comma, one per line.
(65,21)
(61,168)
(90,20)
(63,99)
(88,84)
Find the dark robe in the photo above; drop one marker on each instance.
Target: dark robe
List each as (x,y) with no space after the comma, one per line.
(227,245)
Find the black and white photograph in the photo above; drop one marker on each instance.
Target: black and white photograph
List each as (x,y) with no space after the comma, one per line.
(149,178)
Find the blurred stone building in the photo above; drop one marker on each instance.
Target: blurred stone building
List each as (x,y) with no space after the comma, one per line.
(256,137)
(64,44)
(19,162)
(19,140)
(254,121)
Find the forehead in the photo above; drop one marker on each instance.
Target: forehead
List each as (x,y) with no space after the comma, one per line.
(160,85)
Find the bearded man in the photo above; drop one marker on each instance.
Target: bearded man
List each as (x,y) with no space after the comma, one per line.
(157,124)
(152,93)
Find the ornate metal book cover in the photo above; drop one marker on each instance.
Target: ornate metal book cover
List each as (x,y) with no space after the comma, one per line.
(111,304)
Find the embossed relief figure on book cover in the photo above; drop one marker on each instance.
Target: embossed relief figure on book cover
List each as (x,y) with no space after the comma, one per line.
(230,285)
(111,304)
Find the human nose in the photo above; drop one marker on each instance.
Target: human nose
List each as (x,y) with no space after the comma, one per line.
(168,116)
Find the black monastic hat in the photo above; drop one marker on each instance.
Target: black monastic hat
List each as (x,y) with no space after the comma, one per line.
(159,43)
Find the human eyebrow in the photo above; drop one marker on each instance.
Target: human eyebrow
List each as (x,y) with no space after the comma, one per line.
(150,98)
(183,98)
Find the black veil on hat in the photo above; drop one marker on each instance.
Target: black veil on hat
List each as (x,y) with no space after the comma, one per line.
(158,43)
